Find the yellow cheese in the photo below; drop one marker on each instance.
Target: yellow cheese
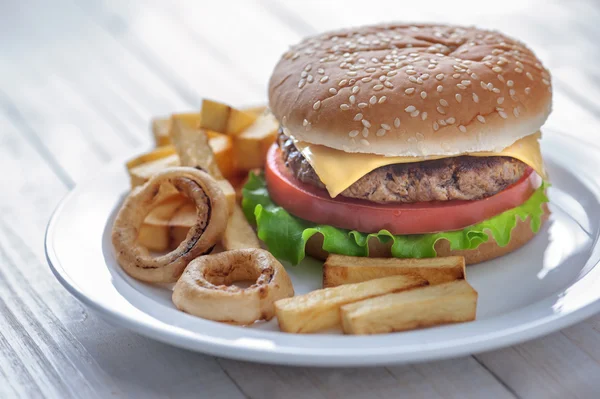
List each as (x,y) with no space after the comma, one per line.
(338,170)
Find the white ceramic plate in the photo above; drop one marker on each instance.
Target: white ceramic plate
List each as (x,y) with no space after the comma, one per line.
(549,284)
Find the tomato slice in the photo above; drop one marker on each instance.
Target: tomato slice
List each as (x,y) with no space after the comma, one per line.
(313,204)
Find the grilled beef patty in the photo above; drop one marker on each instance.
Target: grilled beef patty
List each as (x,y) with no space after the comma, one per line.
(457,178)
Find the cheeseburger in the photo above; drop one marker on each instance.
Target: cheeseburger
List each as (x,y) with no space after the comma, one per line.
(404,141)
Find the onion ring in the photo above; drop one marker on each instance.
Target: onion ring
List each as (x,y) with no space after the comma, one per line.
(212,216)
(205,289)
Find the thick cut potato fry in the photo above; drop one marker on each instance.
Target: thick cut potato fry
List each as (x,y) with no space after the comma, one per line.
(140,174)
(154,233)
(193,148)
(224,119)
(160,130)
(319,310)
(339,269)
(222,146)
(180,223)
(239,234)
(452,302)
(251,146)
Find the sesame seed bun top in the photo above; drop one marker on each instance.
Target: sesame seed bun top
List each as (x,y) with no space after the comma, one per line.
(410,90)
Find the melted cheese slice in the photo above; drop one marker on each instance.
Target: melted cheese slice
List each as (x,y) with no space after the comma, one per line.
(338,169)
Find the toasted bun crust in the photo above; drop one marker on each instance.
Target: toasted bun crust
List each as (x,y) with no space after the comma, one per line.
(410,90)
(521,234)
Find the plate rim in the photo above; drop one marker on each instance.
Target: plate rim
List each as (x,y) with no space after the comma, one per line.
(200,341)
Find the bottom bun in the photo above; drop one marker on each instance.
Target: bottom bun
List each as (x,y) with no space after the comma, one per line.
(521,234)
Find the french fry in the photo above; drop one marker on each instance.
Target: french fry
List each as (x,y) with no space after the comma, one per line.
(194,150)
(319,310)
(224,119)
(452,302)
(154,232)
(192,147)
(339,269)
(222,146)
(239,234)
(250,147)
(160,130)
(180,223)
(142,172)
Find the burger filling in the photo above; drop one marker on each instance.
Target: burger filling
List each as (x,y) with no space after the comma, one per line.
(457,178)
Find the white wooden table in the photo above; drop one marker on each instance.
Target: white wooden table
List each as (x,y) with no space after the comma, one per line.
(79,81)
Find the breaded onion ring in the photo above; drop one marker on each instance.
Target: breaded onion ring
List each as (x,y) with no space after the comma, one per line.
(212,215)
(205,288)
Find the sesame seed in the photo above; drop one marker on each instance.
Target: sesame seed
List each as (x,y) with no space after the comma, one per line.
(475,98)
(510,83)
(423,95)
(370,70)
(474,76)
(410,90)
(439,76)
(392,73)
(518,70)
(397,122)
(317,105)
(358,116)
(386,126)
(364,142)
(303,74)
(324,79)
(501,78)
(382,99)
(527,90)
(456,75)
(431,66)
(353,133)
(415,113)
(466,82)
(461,86)
(321,71)
(367,79)
(519,64)
(410,108)
(497,69)
(411,72)
(490,86)
(304,122)
(351,73)
(344,107)
(516,112)
(355,89)
(441,110)
(442,122)
(502,114)
(458,97)
(500,100)
(450,121)
(310,79)
(380,132)
(546,82)
(443,102)
(424,116)
(483,85)
(352,99)
(363,105)
(388,84)
(440,88)
(301,83)
(462,128)
(511,92)
(377,87)
(382,78)
(436,126)
(373,100)
(343,82)
(480,118)
(365,132)
(496,90)
(366,123)
(425,76)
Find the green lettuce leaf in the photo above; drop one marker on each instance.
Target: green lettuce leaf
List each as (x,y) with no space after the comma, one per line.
(286,235)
